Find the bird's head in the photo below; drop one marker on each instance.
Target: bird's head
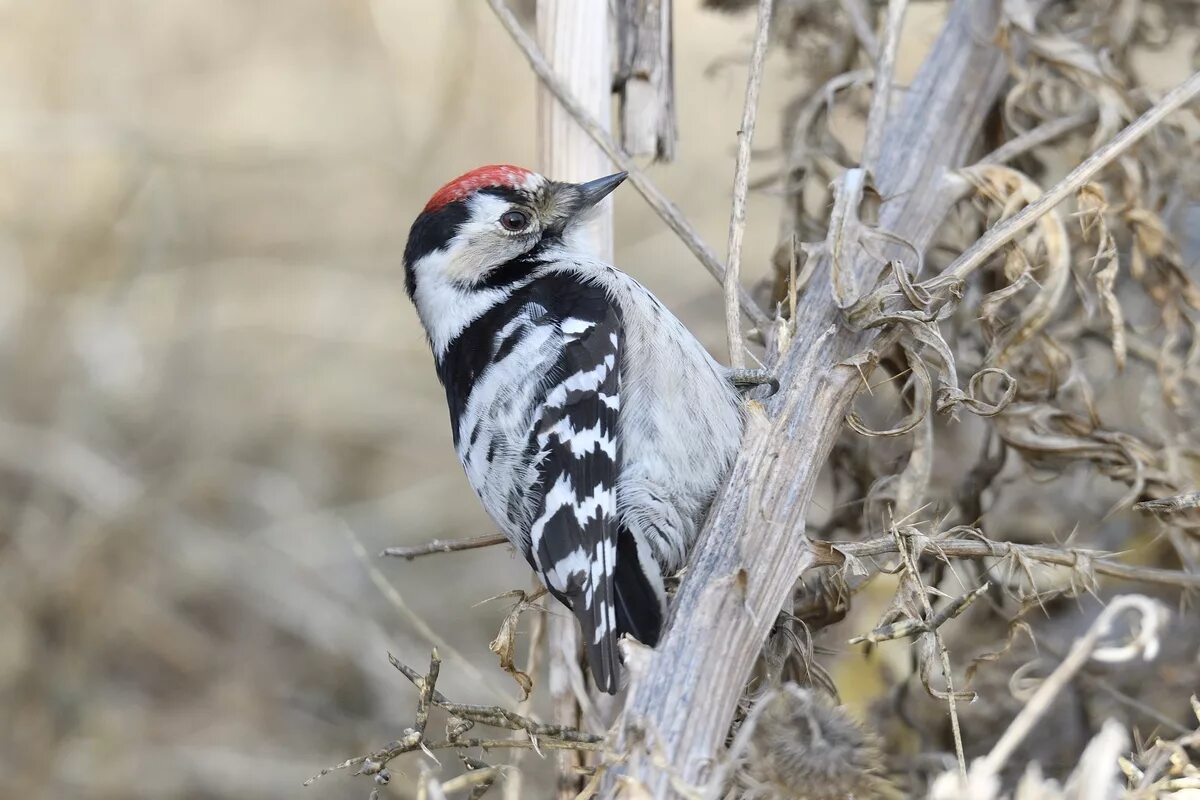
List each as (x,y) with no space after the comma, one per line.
(490,216)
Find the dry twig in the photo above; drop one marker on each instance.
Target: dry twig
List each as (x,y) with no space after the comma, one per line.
(445,546)
(741,179)
(884,72)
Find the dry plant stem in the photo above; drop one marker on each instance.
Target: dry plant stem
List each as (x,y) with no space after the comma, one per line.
(667,210)
(426,631)
(1037,705)
(1006,231)
(1036,137)
(914,573)
(646,78)
(741,180)
(495,716)
(538,735)
(563,642)
(884,72)
(537,635)
(1084,560)
(860,22)
(445,546)
(1171,505)
(573,37)
(909,628)
(752,548)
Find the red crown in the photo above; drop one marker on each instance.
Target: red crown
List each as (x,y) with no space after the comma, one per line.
(476,179)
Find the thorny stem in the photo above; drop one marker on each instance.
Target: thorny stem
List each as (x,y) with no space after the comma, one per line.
(741,180)
(537,635)
(497,744)
(667,210)
(427,685)
(908,628)
(914,574)
(830,554)
(495,716)
(541,736)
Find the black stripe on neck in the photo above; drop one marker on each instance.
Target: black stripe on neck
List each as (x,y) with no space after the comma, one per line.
(477,346)
(431,231)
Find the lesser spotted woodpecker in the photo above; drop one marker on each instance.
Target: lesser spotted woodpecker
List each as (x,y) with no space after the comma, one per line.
(594,427)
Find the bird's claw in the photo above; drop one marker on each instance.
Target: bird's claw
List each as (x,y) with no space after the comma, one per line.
(745,380)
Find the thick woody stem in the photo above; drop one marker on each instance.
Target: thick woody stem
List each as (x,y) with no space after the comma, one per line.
(753,549)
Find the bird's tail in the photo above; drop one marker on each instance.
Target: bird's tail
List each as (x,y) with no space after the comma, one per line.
(630,603)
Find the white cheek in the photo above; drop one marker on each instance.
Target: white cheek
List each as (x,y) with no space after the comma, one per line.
(480,244)
(445,307)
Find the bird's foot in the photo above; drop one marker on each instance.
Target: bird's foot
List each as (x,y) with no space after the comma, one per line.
(744,380)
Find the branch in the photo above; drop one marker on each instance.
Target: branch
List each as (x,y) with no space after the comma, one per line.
(445,546)
(910,628)
(885,69)
(1178,504)
(752,550)
(463,717)
(1036,137)
(1090,561)
(741,180)
(665,209)
(857,13)
(495,716)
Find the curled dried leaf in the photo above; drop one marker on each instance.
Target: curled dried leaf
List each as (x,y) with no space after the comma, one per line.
(949,397)
(505,643)
(1049,249)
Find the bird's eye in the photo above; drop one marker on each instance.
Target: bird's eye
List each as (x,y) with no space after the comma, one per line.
(514,220)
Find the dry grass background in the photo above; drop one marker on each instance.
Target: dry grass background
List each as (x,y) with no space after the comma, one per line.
(215,398)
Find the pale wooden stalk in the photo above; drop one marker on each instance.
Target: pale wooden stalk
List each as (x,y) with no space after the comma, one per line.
(885,67)
(753,548)
(646,78)
(741,181)
(574,37)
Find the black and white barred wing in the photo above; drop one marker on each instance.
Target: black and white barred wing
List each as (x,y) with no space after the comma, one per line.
(575,531)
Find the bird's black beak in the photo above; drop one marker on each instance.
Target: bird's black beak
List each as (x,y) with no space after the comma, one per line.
(593,192)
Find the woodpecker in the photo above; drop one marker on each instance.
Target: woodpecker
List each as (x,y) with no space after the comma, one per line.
(591,423)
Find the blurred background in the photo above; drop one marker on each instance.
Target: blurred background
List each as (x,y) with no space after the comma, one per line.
(213,388)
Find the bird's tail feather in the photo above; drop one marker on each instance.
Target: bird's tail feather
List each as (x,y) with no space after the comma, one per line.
(631,603)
